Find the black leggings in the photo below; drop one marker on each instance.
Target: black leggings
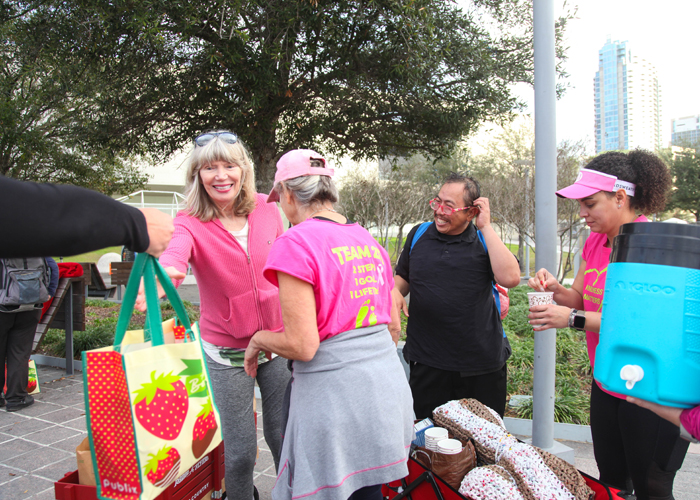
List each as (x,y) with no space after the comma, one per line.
(635,448)
(368,493)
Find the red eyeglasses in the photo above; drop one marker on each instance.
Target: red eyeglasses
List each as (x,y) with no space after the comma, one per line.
(435,204)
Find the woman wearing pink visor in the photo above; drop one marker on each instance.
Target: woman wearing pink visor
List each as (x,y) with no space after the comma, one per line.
(634,448)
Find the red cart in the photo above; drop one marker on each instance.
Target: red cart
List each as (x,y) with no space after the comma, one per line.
(422,484)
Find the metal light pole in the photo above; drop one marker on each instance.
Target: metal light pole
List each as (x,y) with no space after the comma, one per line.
(527,164)
(545,213)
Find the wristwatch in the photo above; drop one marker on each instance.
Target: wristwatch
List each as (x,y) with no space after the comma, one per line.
(577,319)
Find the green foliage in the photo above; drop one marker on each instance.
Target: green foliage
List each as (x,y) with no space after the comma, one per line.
(101,303)
(99,334)
(366,79)
(44,112)
(101,325)
(570,406)
(572,369)
(685,170)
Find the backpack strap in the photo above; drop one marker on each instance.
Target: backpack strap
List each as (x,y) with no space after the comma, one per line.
(419,232)
(496,295)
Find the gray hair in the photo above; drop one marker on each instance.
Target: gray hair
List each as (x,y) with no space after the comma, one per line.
(310,190)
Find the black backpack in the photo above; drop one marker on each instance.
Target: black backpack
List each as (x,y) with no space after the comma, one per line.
(24,284)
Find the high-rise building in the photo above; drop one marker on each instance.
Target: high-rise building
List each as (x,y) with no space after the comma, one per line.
(627,101)
(685,131)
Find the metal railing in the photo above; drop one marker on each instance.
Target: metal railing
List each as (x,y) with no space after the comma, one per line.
(138,200)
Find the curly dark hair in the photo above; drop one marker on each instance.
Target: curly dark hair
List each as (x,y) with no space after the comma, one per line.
(472,189)
(646,170)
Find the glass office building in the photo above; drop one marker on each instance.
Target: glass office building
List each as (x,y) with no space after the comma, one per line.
(686,131)
(627,101)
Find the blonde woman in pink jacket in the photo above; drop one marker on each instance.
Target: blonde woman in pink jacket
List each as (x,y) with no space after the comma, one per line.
(225,233)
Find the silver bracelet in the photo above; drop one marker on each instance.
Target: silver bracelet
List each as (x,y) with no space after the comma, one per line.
(571,318)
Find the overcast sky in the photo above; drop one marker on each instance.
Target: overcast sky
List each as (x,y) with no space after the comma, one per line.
(662,32)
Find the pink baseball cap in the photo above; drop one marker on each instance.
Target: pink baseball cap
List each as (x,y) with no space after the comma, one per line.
(297,163)
(589,182)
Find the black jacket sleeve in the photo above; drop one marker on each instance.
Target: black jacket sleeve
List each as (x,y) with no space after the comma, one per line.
(46,219)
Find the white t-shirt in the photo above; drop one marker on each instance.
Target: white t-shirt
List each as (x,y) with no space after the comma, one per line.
(242,236)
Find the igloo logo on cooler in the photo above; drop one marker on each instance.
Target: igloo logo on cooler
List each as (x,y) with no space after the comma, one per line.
(640,287)
(120,487)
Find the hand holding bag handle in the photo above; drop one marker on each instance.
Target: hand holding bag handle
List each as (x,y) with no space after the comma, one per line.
(148,267)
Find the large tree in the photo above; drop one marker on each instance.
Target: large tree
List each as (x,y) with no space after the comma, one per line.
(685,170)
(43,108)
(364,78)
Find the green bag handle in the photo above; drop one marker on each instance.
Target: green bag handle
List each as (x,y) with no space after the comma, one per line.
(148,267)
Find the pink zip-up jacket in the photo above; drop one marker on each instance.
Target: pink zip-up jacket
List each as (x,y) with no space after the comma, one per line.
(236,300)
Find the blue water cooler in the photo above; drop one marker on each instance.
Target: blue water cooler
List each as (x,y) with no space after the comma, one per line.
(650,329)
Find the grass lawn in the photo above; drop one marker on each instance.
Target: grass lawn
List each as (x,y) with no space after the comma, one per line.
(90,256)
(573,371)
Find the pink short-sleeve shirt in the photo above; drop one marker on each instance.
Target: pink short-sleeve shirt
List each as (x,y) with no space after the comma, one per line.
(349,271)
(597,258)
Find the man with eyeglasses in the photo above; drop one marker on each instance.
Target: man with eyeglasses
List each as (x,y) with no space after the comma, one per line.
(455,343)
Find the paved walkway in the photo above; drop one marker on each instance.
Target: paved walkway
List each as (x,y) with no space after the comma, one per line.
(37,445)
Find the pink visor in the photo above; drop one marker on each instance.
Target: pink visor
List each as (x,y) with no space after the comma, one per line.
(297,163)
(589,182)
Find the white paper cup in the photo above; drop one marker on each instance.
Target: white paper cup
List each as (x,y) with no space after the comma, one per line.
(435,433)
(540,298)
(433,436)
(449,446)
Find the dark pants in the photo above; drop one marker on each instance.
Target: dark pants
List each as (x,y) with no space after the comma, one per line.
(368,493)
(16,337)
(635,448)
(432,387)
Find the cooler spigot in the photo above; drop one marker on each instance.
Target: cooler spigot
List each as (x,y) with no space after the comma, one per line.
(632,374)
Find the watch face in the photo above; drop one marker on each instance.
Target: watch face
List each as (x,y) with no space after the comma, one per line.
(579,322)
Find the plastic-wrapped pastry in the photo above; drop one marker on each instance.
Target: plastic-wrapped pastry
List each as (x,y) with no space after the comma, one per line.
(490,482)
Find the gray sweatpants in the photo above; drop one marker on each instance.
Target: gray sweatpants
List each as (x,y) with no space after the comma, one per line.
(234,392)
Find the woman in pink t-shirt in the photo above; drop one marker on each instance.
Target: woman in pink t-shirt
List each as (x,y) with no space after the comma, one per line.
(633,447)
(349,424)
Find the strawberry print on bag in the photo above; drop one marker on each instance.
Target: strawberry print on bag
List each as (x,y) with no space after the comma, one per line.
(204,430)
(163,467)
(179,332)
(161,405)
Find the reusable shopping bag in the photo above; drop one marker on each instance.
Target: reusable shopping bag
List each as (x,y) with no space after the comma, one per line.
(33,382)
(150,410)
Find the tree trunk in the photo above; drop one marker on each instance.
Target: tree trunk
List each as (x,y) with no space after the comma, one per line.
(521,253)
(399,245)
(265,161)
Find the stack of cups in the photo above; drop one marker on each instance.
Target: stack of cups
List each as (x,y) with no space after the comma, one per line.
(540,298)
(449,447)
(433,436)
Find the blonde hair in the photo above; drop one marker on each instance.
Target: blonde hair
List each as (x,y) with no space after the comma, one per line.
(197,202)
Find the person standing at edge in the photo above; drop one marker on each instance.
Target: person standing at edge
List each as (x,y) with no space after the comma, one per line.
(633,447)
(455,345)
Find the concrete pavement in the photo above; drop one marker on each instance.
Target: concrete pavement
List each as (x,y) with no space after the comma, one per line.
(37,445)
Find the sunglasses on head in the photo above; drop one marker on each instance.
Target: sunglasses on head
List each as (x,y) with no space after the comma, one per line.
(204,139)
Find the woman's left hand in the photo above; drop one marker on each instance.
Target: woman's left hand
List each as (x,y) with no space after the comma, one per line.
(250,361)
(669,413)
(548,316)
